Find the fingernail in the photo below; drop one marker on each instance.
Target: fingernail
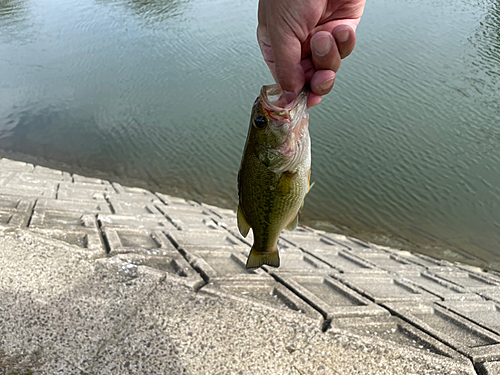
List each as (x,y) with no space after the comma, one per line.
(321,45)
(342,35)
(325,86)
(290,96)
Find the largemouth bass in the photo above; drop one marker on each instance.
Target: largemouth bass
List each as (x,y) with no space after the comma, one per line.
(275,172)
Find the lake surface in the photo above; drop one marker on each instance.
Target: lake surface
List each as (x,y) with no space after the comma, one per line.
(158,94)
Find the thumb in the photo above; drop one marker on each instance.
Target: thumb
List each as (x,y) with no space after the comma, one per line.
(288,72)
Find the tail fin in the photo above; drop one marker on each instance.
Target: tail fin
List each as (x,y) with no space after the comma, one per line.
(257,259)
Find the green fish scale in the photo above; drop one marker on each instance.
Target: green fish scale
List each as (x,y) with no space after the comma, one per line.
(266,209)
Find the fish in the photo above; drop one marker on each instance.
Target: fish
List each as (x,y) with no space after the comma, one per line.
(275,172)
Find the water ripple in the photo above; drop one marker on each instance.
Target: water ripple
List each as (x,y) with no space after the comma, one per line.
(405,149)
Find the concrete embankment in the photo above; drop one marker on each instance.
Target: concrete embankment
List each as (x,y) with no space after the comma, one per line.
(99,278)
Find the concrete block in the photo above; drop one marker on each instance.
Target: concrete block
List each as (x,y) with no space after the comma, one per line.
(181,238)
(4,180)
(16,204)
(171,200)
(8,174)
(369,250)
(87,239)
(39,170)
(228,223)
(298,262)
(237,249)
(86,186)
(493,295)
(299,235)
(381,288)
(388,262)
(489,275)
(437,286)
(195,219)
(86,207)
(123,240)
(69,192)
(473,269)
(263,292)
(484,313)
(126,192)
(18,166)
(150,222)
(47,219)
(14,220)
(349,242)
(88,180)
(206,226)
(172,264)
(283,246)
(329,296)
(248,240)
(303,230)
(176,210)
(394,329)
(343,260)
(473,341)
(30,180)
(488,368)
(221,213)
(217,265)
(420,259)
(472,282)
(128,208)
(310,241)
(195,223)
(26,191)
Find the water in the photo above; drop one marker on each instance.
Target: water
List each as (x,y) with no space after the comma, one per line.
(158,94)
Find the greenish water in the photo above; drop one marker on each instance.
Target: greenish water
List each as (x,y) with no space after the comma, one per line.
(158,94)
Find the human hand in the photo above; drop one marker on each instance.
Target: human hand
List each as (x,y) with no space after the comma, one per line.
(303,41)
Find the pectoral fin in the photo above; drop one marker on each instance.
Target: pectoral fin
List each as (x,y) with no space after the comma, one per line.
(285,182)
(243,225)
(293,223)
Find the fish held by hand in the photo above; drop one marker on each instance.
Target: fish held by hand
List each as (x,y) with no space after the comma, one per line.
(275,170)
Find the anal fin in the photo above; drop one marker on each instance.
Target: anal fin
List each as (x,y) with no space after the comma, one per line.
(293,223)
(243,225)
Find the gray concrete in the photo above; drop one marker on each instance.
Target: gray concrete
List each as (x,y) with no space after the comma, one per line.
(98,278)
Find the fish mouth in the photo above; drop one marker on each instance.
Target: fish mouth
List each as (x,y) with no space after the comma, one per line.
(274,102)
(294,117)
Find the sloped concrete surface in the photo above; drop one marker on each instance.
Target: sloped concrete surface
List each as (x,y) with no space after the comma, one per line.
(98,278)
(63,313)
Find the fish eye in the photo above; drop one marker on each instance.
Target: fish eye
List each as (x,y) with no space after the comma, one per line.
(260,122)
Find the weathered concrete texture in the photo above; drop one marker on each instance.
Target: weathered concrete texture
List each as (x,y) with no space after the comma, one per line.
(64,313)
(491,368)
(101,278)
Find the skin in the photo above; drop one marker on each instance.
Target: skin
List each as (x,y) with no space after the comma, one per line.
(270,189)
(303,41)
